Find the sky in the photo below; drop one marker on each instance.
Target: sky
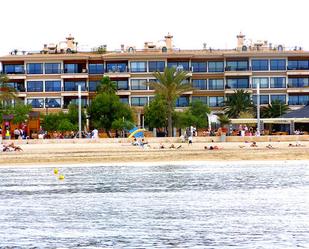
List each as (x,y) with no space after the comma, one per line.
(28,24)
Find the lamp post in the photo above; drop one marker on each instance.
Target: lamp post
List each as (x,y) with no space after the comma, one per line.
(46,106)
(79,111)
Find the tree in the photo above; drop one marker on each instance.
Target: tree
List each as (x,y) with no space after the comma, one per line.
(274,110)
(66,125)
(20,112)
(72,115)
(107,108)
(170,86)
(7,93)
(156,113)
(239,101)
(107,86)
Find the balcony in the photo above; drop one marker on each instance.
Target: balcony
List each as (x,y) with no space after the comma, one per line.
(74,74)
(237,71)
(117,71)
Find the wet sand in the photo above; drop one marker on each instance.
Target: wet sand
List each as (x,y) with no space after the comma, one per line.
(83,153)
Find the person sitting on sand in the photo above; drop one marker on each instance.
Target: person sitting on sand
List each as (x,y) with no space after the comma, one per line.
(178,147)
(215,147)
(135,142)
(161,146)
(11,146)
(172,146)
(269,146)
(253,144)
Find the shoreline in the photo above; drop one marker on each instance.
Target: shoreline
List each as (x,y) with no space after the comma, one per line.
(125,153)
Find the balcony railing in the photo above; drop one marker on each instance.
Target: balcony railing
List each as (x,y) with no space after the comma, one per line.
(237,69)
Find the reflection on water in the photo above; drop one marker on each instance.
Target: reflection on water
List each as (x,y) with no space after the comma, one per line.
(180,206)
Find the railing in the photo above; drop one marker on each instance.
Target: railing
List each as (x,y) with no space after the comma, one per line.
(229,69)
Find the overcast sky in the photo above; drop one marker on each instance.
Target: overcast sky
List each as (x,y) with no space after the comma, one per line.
(28,24)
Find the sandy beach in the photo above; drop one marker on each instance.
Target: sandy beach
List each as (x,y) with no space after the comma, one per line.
(76,152)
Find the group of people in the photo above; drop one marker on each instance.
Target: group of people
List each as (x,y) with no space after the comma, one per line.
(11,147)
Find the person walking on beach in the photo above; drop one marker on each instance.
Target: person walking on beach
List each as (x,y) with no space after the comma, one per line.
(190,140)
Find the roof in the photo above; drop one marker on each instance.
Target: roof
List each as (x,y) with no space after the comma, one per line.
(300,113)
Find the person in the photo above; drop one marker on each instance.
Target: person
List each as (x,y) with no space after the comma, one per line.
(7,134)
(135,142)
(253,144)
(190,140)
(269,146)
(215,147)
(172,146)
(95,134)
(161,146)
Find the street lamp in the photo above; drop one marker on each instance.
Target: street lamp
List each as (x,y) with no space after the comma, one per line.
(258,129)
(46,106)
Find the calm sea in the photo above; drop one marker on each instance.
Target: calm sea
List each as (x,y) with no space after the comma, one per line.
(204,205)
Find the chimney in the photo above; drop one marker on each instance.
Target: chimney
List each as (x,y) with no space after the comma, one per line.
(240,40)
(168,41)
(122,48)
(70,42)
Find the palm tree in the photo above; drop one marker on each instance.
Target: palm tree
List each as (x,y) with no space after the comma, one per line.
(274,110)
(170,85)
(240,101)
(7,93)
(107,86)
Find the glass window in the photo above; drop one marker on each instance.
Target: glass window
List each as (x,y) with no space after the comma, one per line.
(216,101)
(179,65)
(18,86)
(237,83)
(52,68)
(53,86)
(113,67)
(199,66)
(138,66)
(73,85)
(277,82)
(278,64)
(35,68)
(96,68)
(36,103)
(93,85)
(53,102)
(122,84)
(69,100)
(215,66)
(34,86)
(203,99)
(182,101)
(298,65)
(299,100)
(264,99)
(298,82)
(279,97)
(75,68)
(237,65)
(200,84)
(215,84)
(259,65)
(263,81)
(156,66)
(139,101)
(124,100)
(13,69)
(138,84)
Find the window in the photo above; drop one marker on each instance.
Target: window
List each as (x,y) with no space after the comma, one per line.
(182,101)
(13,69)
(122,84)
(96,68)
(138,84)
(216,101)
(200,84)
(138,66)
(215,66)
(35,68)
(75,68)
(277,82)
(263,82)
(124,100)
(237,65)
(139,101)
(264,99)
(93,85)
(18,86)
(203,99)
(69,100)
(113,67)
(36,103)
(53,102)
(299,100)
(298,65)
(73,85)
(237,83)
(298,82)
(53,86)
(52,68)
(156,66)
(34,86)
(278,64)
(281,98)
(179,65)
(215,84)
(199,66)
(259,65)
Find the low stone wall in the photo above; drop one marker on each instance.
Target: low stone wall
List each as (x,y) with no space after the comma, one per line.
(283,138)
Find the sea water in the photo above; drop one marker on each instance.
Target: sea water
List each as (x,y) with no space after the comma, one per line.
(202,205)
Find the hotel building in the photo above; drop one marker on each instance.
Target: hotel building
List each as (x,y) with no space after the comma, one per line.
(49,79)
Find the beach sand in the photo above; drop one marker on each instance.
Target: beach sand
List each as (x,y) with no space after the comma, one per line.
(89,153)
